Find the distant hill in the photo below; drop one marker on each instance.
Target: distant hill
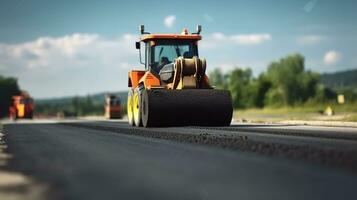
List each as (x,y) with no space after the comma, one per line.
(341,80)
(76,105)
(94,104)
(96,98)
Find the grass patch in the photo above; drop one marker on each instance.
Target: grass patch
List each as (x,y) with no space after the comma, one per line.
(346,112)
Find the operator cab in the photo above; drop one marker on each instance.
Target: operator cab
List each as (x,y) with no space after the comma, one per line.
(164,52)
(161,50)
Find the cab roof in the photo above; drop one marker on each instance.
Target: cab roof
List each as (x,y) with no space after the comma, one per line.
(21,97)
(149,37)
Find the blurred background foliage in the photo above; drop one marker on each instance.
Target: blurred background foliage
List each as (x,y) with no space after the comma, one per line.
(285,83)
(77,105)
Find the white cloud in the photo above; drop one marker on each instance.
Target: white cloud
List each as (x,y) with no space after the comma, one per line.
(250,39)
(332,57)
(310,39)
(309,6)
(169,21)
(218,36)
(73,48)
(79,63)
(220,39)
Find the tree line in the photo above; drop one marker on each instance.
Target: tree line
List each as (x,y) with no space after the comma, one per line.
(286,82)
(75,106)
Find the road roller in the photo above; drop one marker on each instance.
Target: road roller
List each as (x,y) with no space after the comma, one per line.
(22,106)
(112,107)
(173,88)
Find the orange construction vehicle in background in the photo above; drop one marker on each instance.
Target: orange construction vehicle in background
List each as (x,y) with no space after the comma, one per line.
(112,107)
(22,107)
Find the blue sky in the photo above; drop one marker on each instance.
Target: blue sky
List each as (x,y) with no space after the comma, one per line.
(61,48)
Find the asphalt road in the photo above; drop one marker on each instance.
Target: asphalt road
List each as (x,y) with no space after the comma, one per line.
(110,160)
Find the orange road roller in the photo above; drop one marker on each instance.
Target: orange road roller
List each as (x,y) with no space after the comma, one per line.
(173,89)
(112,107)
(22,107)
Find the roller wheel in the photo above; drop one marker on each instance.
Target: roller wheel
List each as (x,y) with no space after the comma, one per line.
(137,107)
(145,110)
(30,115)
(130,107)
(197,107)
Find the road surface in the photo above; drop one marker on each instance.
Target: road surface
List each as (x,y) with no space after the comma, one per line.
(110,160)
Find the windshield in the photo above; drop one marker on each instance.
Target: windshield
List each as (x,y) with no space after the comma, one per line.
(166,53)
(26,101)
(114,102)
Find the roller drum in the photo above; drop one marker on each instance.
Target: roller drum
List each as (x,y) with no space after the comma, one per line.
(201,107)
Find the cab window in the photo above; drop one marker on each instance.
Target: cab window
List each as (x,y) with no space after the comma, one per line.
(166,52)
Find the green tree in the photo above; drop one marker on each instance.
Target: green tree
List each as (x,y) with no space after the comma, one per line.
(286,83)
(323,94)
(246,91)
(239,84)
(76,106)
(291,84)
(8,88)
(218,79)
(259,90)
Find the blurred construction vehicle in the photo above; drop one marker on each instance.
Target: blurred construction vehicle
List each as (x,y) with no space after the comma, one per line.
(174,88)
(22,107)
(112,107)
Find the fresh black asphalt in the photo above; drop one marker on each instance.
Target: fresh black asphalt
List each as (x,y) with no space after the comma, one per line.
(110,160)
